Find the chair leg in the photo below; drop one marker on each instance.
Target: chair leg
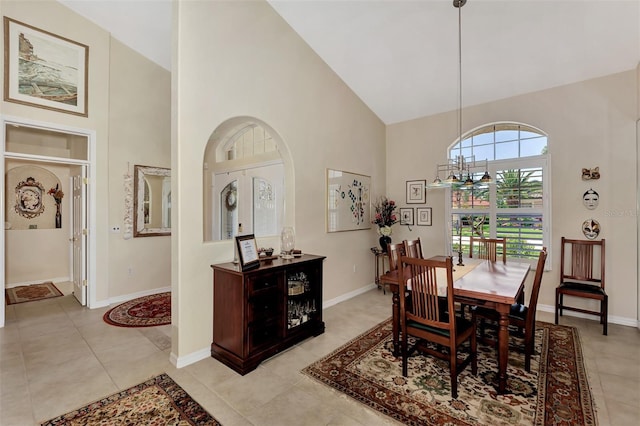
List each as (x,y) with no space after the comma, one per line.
(453,372)
(403,354)
(474,353)
(557,304)
(528,349)
(604,304)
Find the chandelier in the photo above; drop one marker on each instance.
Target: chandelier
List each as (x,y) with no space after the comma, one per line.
(460,171)
(456,169)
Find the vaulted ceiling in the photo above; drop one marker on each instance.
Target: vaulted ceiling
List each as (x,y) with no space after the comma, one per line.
(401,57)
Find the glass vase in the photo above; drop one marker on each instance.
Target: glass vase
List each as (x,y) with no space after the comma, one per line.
(287,242)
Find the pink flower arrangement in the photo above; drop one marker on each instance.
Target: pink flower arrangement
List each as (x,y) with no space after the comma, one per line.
(384,212)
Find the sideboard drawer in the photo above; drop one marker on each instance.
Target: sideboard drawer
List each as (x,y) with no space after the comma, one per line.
(263,282)
(264,306)
(262,335)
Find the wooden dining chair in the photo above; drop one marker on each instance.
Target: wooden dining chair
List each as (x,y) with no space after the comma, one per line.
(413,248)
(582,275)
(488,248)
(394,252)
(422,317)
(521,316)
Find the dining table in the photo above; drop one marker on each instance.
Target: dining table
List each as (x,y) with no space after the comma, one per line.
(494,285)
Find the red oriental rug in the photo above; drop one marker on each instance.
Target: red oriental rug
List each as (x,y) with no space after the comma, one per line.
(146,311)
(555,392)
(30,293)
(158,401)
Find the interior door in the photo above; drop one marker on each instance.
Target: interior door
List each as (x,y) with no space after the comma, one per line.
(79,237)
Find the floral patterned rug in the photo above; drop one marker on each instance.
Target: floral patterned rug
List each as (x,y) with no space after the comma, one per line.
(30,293)
(556,392)
(158,401)
(146,311)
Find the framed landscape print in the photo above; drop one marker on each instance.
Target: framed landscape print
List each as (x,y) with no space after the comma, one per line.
(348,201)
(44,70)
(424,216)
(416,193)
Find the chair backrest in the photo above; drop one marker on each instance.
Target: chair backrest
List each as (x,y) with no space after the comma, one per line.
(583,263)
(421,277)
(488,248)
(394,251)
(413,248)
(535,290)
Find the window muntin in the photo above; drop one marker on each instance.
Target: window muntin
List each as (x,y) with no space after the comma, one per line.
(515,206)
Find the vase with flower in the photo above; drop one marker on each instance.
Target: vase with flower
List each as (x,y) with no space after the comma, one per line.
(57,195)
(384,217)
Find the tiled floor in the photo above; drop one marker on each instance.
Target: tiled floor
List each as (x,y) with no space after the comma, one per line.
(56,356)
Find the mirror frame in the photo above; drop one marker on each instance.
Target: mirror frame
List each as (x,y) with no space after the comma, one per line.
(139,229)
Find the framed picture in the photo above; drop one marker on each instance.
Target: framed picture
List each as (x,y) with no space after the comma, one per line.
(248,252)
(424,216)
(348,201)
(44,70)
(406,216)
(416,193)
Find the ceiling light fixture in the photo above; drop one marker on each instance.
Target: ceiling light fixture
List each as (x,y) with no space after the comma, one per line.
(455,169)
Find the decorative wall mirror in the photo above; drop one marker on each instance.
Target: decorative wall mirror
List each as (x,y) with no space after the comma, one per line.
(151,201)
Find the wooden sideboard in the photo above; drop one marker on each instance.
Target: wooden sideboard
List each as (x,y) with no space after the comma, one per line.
(260,312)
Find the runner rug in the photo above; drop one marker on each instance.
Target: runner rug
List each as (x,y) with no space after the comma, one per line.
(556,391)
(146,311)
(158,401)
(30,293)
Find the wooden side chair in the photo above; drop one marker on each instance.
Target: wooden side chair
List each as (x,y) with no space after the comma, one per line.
(422,317)
(582,275)
(394,252)
(413,248)
(521,316)
(488,248)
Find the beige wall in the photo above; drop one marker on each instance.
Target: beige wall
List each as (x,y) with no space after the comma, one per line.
(42,254)
(589,124)
(241,59)
(139,133)
(129,110)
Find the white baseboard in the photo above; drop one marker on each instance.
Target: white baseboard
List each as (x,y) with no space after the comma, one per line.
(127,297)
(53,280)
(347,296)
(189,359)
(630,322)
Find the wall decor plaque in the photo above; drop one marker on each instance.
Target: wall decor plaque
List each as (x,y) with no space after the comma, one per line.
(29,198)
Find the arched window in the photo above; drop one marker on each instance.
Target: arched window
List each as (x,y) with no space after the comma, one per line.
(517,204)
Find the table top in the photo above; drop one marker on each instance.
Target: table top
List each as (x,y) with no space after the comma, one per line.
(494,281)
(482,280)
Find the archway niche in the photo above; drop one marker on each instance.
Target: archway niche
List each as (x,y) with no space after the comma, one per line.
(248,181)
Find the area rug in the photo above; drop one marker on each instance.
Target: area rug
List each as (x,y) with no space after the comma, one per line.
(30,293)
(556,391)
(158,401)
(146,311)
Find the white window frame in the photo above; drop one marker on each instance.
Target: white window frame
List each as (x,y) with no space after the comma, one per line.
(539,161)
